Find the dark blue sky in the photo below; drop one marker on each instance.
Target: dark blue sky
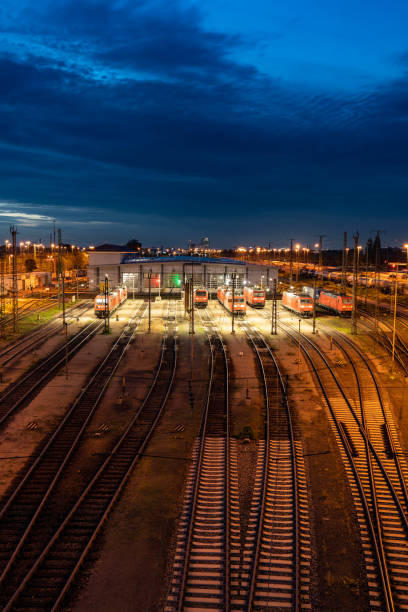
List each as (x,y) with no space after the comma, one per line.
(247,122)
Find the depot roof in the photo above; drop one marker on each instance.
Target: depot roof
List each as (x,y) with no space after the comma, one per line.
(183,259)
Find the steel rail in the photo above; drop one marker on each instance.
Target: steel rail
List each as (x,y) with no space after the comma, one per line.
(25,311)
(24,387)
(196,479)
(386,423)
(378,546)
(401,349)
(54,439)
(203,433)
(363,432)
(126,459)
(296,526)
(32,338)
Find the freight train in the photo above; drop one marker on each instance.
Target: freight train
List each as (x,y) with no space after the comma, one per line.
(105,305)
(200,298)
(255,296)
(299,303)
(224,295)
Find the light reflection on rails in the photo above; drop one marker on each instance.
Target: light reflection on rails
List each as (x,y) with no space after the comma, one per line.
(52,572)
(277,552)
(201,570)
(377,481)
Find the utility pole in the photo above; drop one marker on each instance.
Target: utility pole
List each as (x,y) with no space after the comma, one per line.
(366,275)
(321,254)
(290,261)
(344,263)
(149,276)
(61,275)
(192,300)
(395,317)
(299,359)
(106,294)
(314,305)
(377,278)
(54,234)
(2,287)
(274,329)
(354,311)
(14,285)
(233,304)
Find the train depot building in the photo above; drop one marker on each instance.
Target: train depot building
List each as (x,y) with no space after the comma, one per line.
(169,274)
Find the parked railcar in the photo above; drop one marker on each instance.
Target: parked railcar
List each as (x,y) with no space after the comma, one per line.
(299,303)
(200,298)
(255,296)
(308,290)
(106,305)
(339,303)
(224,295)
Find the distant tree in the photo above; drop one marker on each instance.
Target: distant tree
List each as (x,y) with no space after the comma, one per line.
(30,265)
(133,245)
(78,260)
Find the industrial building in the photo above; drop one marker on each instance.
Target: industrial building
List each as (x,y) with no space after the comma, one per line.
(169,274)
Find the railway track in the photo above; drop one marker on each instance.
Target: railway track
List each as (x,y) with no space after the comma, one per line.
(384,339)
(21,392)
(25,310)
(268,563)
(209,521)
(377,473)
(39,335)
(275,571)
(50,557)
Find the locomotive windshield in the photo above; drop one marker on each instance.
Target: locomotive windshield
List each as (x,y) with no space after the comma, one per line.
(303,301)
(100,300)
(201,293)
(259,293)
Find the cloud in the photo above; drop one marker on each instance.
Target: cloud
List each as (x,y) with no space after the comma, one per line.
(124,106)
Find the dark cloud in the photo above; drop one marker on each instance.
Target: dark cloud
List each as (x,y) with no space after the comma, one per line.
(118,104)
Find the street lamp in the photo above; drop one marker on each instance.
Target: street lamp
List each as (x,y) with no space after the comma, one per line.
(297,248)
(406,247)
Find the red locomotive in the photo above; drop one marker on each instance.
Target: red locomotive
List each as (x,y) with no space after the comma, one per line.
(255,296)
(338,303)
(107,304)
(200,298)
(299,303)
(224,295)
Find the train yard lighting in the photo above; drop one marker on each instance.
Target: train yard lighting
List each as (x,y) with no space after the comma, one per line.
(297,249)
(406,248)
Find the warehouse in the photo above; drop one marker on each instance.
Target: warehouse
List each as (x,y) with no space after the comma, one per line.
(169,274)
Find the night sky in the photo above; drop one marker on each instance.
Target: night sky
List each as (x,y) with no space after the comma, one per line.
(245,121)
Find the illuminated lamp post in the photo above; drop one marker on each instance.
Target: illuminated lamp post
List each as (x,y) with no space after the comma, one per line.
(316,246)
(297,249)
(406,248)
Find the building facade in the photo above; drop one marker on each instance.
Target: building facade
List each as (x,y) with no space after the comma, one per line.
(168,275)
